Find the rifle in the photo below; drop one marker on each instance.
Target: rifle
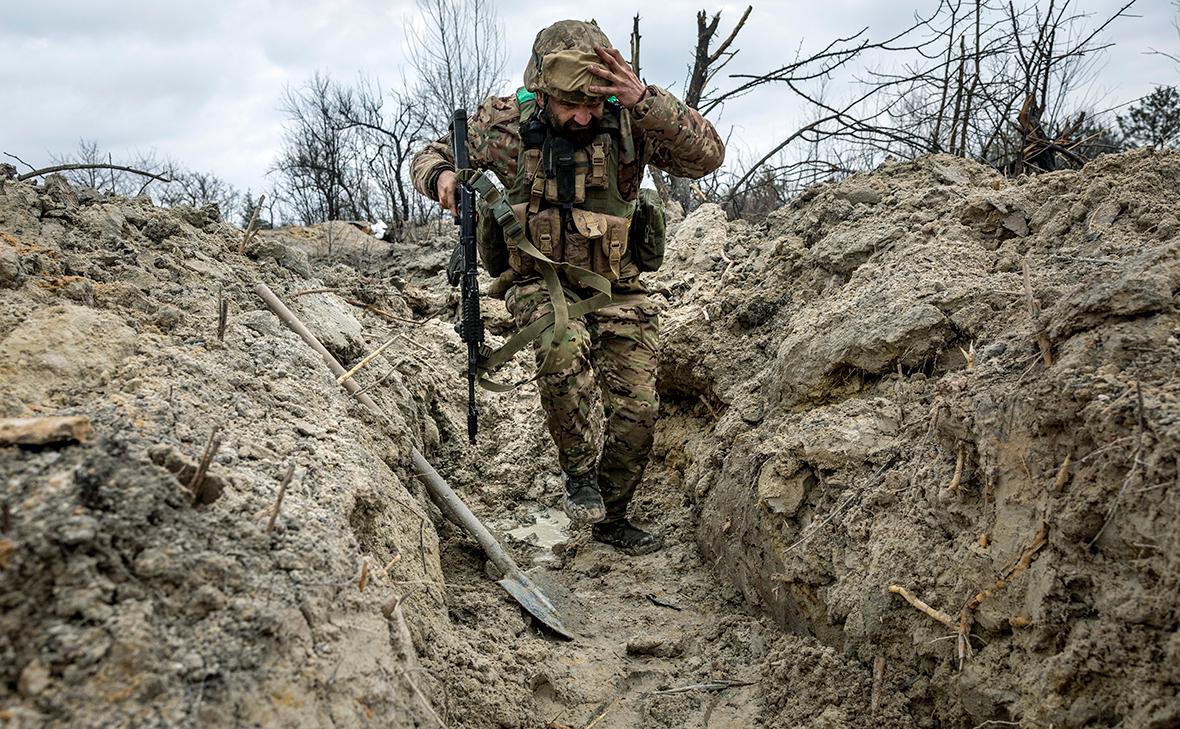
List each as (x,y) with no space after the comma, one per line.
(463,270)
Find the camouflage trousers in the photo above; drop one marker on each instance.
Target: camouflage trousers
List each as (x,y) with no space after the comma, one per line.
(611,351)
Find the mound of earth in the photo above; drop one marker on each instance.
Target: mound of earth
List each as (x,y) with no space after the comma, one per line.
(867,390)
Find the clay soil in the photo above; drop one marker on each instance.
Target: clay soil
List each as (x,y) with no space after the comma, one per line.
(866,390)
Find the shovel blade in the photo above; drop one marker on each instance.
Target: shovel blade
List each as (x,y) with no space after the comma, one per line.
(546,600)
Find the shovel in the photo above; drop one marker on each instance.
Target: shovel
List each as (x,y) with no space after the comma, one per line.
(524,588)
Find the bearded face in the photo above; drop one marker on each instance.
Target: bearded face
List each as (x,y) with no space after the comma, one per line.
(578,123)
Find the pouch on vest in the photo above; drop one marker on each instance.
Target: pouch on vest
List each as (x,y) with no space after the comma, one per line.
(598,239)
(489,240)
(648,231)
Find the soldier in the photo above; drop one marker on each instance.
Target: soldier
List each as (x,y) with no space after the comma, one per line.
(570,149)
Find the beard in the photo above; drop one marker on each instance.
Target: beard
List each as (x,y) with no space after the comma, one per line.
(577,135)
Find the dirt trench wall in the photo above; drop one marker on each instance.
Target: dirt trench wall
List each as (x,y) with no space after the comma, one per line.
(124,603)
(825,357)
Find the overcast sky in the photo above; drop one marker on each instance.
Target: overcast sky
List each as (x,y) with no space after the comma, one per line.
(200,83)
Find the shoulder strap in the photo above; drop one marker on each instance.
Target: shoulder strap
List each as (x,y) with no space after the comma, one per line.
(551,327)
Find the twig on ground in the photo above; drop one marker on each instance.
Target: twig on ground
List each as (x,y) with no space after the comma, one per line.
(601,713)
(198,479)
(1136,465)
(935,613)
(394,602)
(364,362)
(710,686)
(422,697)
(274,512)
(309,292)
(873,480)
(248,235)
(878,684)
(222,313)
(5,516)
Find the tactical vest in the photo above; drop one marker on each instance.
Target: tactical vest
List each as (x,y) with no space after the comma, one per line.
(568,198)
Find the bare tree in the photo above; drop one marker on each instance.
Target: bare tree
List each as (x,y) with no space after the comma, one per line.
(987,79)
(707,63)
(201,188)
(457,49)
(319,168)
(391,126)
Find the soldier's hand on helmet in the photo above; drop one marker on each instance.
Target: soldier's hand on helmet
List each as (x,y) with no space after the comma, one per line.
(623,83)
(446,186)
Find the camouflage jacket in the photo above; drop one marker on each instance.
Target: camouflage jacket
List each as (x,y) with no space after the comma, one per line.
(664,131)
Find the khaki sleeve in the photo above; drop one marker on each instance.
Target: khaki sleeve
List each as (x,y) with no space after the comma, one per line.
(680,141)
(492,144)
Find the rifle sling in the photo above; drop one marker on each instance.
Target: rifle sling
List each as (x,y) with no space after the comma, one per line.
(550,328)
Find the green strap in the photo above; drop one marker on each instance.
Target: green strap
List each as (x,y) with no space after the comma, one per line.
(552,327)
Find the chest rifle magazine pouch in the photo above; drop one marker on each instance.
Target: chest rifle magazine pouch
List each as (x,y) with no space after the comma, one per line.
(648,231)
(489,240)
(598,240)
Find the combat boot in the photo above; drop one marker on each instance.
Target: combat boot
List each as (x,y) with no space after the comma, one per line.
(583,500)
(626,537)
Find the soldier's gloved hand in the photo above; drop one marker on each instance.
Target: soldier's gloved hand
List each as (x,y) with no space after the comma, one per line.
(623,83)
(445,191)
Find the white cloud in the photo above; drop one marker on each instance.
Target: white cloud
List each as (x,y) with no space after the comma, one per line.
(202,82)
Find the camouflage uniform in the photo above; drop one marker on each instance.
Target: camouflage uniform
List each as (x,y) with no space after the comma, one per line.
(615,345)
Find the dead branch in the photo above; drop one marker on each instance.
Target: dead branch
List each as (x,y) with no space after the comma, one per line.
(89,166)
(704,66)
(720,685)
(274,512)
(601,713)
(635,38)
(383,313)
(222,313)
(878,685)
(365,361)
(248,235)
(422,697)
(198,479)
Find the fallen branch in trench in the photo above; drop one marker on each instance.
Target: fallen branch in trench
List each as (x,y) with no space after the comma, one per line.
(710,686)
(385,314)
(364,362)
(601,713)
